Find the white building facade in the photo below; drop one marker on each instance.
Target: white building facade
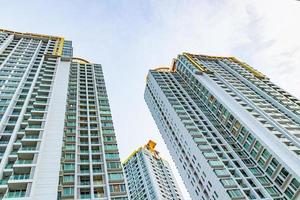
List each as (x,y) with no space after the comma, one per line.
(232,133)
(56,134)
(149,177)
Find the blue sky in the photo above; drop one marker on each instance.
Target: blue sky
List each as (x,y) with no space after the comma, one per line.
(130,37)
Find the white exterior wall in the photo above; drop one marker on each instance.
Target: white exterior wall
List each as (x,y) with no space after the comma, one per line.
(185,140)
(282,153)
(251,124)
(46,177)
(152,185)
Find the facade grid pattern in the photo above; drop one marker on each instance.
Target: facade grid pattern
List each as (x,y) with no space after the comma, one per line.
(228,128)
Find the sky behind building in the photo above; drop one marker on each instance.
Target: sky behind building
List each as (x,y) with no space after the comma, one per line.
(130,37)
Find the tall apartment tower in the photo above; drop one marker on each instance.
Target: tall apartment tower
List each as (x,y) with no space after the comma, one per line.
(57,139)
(149,177)
(232,133)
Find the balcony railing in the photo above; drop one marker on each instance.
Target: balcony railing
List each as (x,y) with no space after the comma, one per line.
(84,182)
(19,177)
(3,182)
(16,194)
(28,148)
(31,137)
(24,162)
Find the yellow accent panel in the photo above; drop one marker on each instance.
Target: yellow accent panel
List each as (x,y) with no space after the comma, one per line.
(162,69)
(256,73)
(172,68)
(80,60)
(173,65)
(165,69)
(151,145)
(213,57)
(58,49)
(199,66)
(132,154)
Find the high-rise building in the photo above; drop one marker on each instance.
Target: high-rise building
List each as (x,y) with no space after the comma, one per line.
(57,139)
(232,133)
(149,177)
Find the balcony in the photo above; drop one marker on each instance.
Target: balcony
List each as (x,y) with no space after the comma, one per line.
(40,102)
(37,117)
(15,194)
(23,162)
(31,126)
(84,171)
(11,122)
(30,137)
(28,150)
(96,160)
(9,166)
(84,182)
(81,142)
(18,142)
(95,134)
(85,196)
(84,151)
(19,177)
(98,195)
(98,182)
(3,142)
(15,113)
(97,170)
(38,110)
(3,182)
(96,151)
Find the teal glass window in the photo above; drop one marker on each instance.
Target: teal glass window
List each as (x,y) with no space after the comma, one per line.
(115,176)
(69,191)
(68,178)
(112,156)
(236,193)
(69,166)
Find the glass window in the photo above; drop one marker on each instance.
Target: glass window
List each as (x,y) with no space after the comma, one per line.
(266,154)
(113,165)
(273,165)
(215,163)
(70,147)
(221,172)
(112,156)
(235,193)
(263,180)
(110,147)
(272,191)
(209,154)
(68,178)
(295,184)
(255,171)
(69,166)
(70,156)
(115,176)
(117,188)
(68,191)
(228,182)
